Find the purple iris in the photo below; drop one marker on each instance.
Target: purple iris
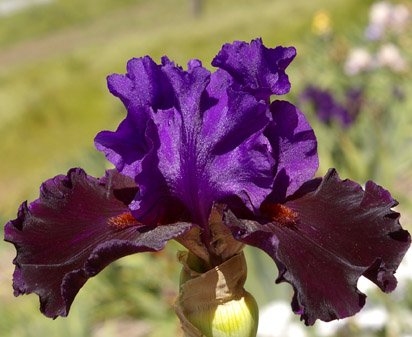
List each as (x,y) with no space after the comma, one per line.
(328,109)
(193,142)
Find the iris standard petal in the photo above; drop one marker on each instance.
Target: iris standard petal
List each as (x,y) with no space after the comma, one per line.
(77,227)
(143,89)
(323,239)
(294,148)
(180,152)
(127,146)
(144,84)
(256,68)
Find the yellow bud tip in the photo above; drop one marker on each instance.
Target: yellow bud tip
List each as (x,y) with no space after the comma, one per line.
(235,318)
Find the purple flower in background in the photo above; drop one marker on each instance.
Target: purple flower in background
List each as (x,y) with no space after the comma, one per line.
(354,99)
(328,109)
(195,143)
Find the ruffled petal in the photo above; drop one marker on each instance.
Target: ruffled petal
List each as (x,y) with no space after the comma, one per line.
(237,117)
(177,155)
(188,88)
(77,227)
(245,172)
(143,89)
(294,148)
(256,68)
(143,85)
(214,137)
(323,239)
(129,144)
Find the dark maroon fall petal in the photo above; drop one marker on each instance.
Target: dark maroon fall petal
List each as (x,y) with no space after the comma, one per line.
(77,227)
(324,238)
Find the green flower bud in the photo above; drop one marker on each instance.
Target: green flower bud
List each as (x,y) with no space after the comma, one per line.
(214,303)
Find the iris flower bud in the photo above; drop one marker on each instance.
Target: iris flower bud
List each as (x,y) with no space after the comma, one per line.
(214,303)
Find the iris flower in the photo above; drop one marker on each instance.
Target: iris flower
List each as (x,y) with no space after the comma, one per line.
(328,109)
(199,148)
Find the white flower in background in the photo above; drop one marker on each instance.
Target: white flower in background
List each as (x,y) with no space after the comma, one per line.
(275,320)
(294,330)
(380,13)
(390,56)
(365,285)
(374,318)
(400,18)
(326,329)
(359,60)
(386,16)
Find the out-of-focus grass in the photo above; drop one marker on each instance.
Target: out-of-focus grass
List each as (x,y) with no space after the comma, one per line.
(40,20)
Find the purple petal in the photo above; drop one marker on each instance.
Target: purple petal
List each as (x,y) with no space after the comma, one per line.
(245,172)
(188,87)
(144,89)
(328,109)
(236,117)
(294,148)
(77,227)
(322,240)
(127,146)
(354,101)
(143,85)
(256,68)
(177,155)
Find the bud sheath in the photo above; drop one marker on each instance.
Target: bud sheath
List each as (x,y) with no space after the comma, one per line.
(214,303)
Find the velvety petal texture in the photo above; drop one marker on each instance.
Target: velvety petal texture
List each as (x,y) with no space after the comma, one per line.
(324,238)
(194,138)
(77,227)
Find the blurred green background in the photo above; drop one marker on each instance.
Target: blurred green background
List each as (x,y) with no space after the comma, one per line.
(54,58)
